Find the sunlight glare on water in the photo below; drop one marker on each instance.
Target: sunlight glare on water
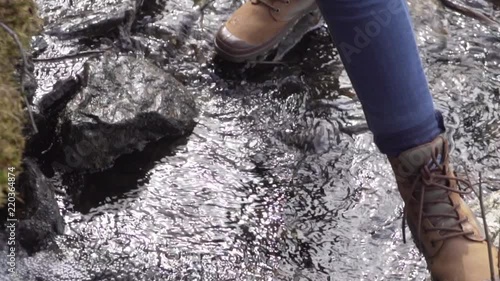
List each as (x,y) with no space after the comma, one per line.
(279,180)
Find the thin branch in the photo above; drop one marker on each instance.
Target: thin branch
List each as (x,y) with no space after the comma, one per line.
(13,34)
(486,232)
(469,12)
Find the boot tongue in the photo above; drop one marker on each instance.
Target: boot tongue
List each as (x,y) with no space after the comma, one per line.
(415,159)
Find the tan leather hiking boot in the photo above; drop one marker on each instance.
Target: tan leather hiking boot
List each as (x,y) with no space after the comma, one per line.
(443,226)
(258,26)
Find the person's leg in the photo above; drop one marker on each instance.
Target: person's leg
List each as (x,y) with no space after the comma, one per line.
(376,43)
(377,46)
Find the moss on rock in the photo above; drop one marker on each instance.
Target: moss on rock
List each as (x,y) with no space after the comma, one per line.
(21,17)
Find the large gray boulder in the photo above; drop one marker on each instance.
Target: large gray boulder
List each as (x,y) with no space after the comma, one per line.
(125,103)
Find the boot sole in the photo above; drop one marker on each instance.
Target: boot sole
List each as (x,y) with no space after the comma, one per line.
(266,48)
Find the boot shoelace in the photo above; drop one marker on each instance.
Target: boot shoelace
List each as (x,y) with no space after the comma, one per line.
(432,180)
(269,4)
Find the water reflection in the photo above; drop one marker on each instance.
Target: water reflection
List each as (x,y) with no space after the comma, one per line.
(277,182)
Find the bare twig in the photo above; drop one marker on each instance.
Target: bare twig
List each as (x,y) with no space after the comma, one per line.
(468,12)
(13,34)
(486,232)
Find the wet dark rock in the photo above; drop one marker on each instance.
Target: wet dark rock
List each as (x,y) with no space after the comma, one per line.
(278,179)
(38,141)
(53,102)
(154,49)
(174,24)
(46,111)
(6,261)
(90,190)
(152,7)
(174,31)
(314,134)
(125,104)
(95,18)
(29,80)
(39,45)
(40,220)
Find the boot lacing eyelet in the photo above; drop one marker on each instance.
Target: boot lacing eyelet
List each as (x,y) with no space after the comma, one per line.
(435,176)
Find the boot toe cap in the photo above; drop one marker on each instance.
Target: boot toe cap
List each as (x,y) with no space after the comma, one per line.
(231,47)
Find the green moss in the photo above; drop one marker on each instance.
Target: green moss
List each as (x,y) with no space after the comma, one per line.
(21,17)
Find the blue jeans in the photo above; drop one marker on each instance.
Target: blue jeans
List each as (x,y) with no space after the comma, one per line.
(377,46)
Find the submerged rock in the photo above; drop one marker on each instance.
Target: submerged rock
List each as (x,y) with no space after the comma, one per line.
(173,26)
(54,101)
(46,111)
(94,18)
(170,21)
(126,103)
(40,220)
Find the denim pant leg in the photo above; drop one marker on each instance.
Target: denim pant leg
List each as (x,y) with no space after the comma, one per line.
(377,46)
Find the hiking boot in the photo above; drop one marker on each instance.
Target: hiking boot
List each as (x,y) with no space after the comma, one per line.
(443,227)
(258,27)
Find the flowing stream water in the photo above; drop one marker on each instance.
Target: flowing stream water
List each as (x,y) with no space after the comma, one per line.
(280,179)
